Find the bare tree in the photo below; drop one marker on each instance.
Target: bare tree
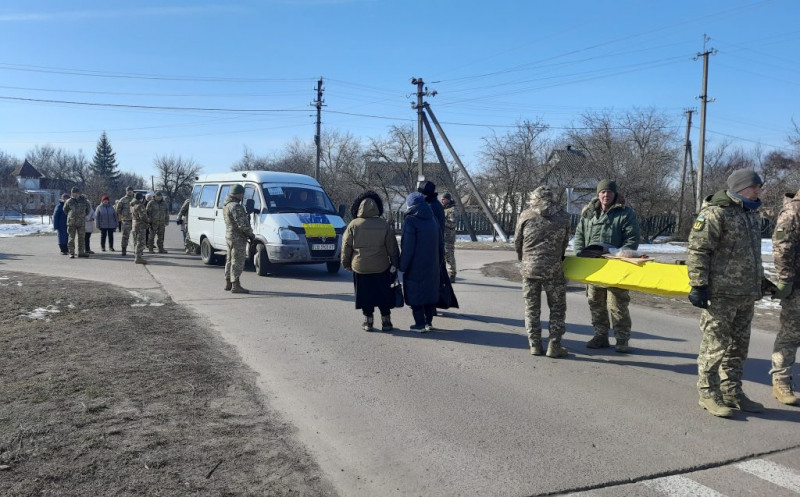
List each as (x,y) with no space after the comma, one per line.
(175,176)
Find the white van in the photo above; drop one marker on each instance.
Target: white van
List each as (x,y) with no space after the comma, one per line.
(292,217)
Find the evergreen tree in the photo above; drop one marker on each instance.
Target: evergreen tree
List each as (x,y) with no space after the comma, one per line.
(104,164)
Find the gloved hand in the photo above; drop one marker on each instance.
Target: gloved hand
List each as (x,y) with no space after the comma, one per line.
(699,296)
(392,269)
(251,237)
(784,290)
(179,222)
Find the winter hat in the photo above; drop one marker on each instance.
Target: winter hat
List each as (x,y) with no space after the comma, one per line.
(448,196)
(75,189)
(415,198)
(104,197)
(140,196)
(742,178)
(236,190)
(427,189)
(128,188)
(607,184)
(159,194)
(65,196)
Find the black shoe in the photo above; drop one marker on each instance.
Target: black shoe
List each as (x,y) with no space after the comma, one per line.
(598,342)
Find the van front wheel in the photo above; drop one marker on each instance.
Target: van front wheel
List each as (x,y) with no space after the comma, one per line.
(207,252)
(261,260)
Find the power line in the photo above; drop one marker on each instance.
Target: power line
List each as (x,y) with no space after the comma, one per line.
(148,107)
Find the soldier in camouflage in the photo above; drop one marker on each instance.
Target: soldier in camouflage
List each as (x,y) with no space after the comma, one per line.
(237,233)
(124,215)
(607,221)
(449,235)
(541,238)
(725,273)
(76,209)
(786,253)
(158,212)
(141,222)
(183,221)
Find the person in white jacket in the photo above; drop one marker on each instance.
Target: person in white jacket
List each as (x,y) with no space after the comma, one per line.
(89,228)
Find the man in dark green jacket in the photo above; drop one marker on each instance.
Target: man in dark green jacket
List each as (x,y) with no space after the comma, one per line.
(608,222)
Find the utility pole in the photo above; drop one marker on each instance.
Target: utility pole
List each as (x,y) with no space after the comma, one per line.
(687,151)
(419,106)
(704,100)
(318,103)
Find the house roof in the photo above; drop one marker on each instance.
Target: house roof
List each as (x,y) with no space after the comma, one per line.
(571,166)
(26,170)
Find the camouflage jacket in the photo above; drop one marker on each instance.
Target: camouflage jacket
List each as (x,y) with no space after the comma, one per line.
(124,208)
(725,248)
(76,210)
(157,212)
(616,227)
(450,224)
(237,222)
(540,238)
(786,240)
(139,214)
(184,210)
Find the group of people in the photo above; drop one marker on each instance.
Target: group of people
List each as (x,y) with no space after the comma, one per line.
(427,243)
(725,274)
(74,219)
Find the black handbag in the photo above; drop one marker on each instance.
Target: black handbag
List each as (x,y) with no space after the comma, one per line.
(397,287)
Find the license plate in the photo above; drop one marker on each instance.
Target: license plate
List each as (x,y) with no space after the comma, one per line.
(323,246)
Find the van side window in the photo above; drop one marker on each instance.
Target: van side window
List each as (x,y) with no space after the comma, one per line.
(196,195)
(207,196)
(223,192)
(251,192)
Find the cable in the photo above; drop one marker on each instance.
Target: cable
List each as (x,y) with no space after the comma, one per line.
(150,107)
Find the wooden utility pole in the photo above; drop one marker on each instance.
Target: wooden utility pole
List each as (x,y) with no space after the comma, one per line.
(687,151)
(318,103)
(419,106)
(704,100)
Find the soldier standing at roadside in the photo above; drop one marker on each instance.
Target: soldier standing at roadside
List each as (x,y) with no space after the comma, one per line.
(183,220)
(541,238)
(725,273)
(124,215)
(158,212)
(140,224)
(449,234)
(237,234)
(786,252)
(607,221)
(76,209)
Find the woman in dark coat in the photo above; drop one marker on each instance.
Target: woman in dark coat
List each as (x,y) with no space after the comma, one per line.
(422,252)
(60,224)
(369,250)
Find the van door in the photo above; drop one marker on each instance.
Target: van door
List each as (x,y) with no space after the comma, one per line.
(202,224)
(219,223)
(252,191)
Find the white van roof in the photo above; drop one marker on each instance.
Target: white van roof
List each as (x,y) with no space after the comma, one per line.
(258,177)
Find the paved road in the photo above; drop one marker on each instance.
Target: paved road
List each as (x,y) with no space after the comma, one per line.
(466,410)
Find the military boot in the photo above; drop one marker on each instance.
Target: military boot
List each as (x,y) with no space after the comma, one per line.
(598,341)
(622,346)
(162,251)
(741,402)
(140,260)
(536,346)
(782,390)
(236,287)
(152,251)
(555,349)
(367,324)
(386,323)
(715,406)
(228,285)
(123,252)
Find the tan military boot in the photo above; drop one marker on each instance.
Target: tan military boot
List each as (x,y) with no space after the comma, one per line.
(598,341)
(715,407)
(742,402)
(139,260)
(536,346)
(555,349)
(236,287)
(622,346)
(782,390)
(228,286)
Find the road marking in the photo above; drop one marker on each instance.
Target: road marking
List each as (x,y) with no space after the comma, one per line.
(772,472)
(680,486)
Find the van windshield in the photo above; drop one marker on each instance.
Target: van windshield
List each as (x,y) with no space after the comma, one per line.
(296,199)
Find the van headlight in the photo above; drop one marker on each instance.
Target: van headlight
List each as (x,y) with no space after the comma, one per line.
(288,235)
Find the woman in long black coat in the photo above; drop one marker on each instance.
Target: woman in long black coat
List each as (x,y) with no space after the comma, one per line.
(422,250)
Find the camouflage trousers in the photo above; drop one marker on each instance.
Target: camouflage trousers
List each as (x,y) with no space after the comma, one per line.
(138,239)
(613,301)
(723,350)
(77,239)
(450,259)
(187,242)
(156,230)
(234,262)
(788,339)
(127,226)
(556,293)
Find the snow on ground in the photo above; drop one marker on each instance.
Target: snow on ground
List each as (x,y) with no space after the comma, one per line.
(33,225)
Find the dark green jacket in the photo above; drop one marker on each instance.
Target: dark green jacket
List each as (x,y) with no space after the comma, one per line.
(725,248)
(616,227)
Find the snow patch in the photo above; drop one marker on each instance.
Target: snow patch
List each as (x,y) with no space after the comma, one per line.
(33,225)
(768,303)
(42,312)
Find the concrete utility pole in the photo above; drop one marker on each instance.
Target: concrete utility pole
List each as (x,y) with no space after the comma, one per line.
(421,92)
(704,100)
(687,151)
(318,103)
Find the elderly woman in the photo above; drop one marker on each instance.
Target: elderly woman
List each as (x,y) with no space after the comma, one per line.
(422,253)
(369,250)
(60,224)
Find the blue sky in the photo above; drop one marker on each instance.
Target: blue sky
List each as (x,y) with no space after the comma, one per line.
(492,63)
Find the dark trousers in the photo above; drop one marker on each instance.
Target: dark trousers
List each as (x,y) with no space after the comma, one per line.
(423,314)
(369,311)
(106,232)
(86,237)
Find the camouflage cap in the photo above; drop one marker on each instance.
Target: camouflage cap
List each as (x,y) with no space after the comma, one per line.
(447,196)
(237,190)
(159,194)
(128,188)
(75,189)
(543,192)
